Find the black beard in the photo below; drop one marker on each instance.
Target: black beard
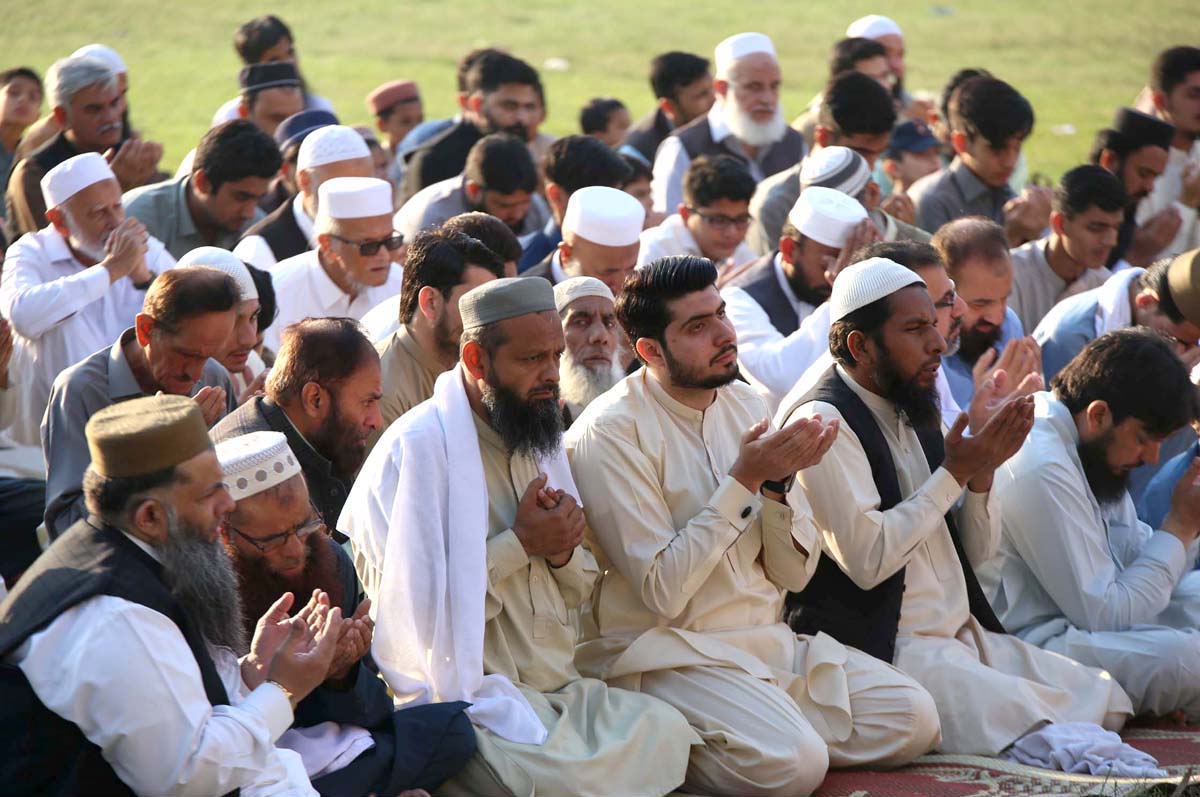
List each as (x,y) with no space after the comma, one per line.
(919,407)
(1108,487)
(691,378)
(202,578)
(972,343)
(533,427)
(815,295)
(339,442)
(446,343)
(519,130)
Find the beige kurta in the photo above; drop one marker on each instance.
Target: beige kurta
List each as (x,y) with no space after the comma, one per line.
(990,689)
(408,373)
(601,740)
(689,604)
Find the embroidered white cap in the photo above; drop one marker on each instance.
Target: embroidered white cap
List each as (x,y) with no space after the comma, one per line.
(873,26)
(868,281)
(353,197)
(331,144)
(839,168)
(605,216)
(108,55)
(223,260)
(738,46)
(826,215)
(255,462)
(574,288)
(72,176)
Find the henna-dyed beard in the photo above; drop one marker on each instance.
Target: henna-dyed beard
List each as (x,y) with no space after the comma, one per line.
(260,586)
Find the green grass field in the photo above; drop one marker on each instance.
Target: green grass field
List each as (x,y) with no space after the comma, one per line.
(1075,60)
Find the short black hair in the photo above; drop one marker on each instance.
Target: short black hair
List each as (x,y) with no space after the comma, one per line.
(1121,145)
(9,75)
(494,69)
(854,104)
(708,179)
(638,170)
(912,255)
(438,259)
(468,61)
(575,162)
(970,238)
(868,319)
(187,292)
(957,79)
(1173,66)
(1155,278)
(1136,373)
(501,162)
(848,52)
(488,230)
(268,307)
(671,71)
(236,150)
(642,305)
(989,108)
(594,117)
(110,497)
(255,37)
(327,351)
(1087,186)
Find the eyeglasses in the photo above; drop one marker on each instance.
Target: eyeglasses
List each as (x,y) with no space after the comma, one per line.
(367,248)
(313,525)
(948,300)
(721,222)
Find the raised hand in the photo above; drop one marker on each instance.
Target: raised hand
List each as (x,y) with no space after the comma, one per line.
(125,251)
(863,234)
(1017,373)
(776,456)
(1154,235)
(254,385)
(212,403)
(354,642)
(135,162)
(972,458)
(1183,518)
(303,660)
(553,532)
(1025,216)
(271,631)
(899,206)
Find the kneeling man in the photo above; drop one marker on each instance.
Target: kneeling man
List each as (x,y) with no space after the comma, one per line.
(474,566)
(699,535)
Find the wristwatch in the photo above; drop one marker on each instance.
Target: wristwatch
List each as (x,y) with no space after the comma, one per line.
(780,487)
(286,693)
(141,286)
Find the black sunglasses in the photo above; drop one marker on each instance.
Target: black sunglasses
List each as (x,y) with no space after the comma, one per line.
(367,248)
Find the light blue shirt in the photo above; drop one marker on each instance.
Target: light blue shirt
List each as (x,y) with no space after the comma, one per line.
(958,370)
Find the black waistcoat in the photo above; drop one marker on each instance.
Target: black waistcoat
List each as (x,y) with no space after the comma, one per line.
(40,752)
(832,602)
(281,232)
(697,139)
(761,282)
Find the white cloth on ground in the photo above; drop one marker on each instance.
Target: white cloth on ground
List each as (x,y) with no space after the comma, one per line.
(1082,748)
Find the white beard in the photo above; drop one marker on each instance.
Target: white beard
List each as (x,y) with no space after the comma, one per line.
(752,133)
(580,385)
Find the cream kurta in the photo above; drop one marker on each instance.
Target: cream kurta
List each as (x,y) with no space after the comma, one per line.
(408,373)
(689,606)
(990,689)
(601,740)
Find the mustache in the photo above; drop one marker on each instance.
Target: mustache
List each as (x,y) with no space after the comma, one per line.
(730,348)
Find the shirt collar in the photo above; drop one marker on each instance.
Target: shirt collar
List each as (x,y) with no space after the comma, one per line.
(971,187)
(303,221)
(716,122)
(303,449)
(147,548)
(800,307)
(1113,309)
(325,291)
(878,405)
(122,383)
(556,269)
(56,247)
(660,394)
(414,350)
(184,225)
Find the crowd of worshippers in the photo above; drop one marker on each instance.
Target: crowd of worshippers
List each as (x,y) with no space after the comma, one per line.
(703,452)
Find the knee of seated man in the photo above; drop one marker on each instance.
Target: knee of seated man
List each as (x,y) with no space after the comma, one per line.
(796,766)
(923,732)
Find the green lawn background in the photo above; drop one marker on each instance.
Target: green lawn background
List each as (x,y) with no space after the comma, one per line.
(1075,60)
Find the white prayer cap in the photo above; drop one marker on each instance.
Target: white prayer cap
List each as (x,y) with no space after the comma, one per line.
(353,197)
(574,288)
(605,216)
(825,215)
(873,27)
(868,281)
(331,144)
(223,260)
(839,168)
(739,46)
(108,55)
(255,462)
(72,176)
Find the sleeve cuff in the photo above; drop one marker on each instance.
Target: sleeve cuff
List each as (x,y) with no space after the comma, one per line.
(942,489)
(784,521)
(505,555)
(270,703)
(735,503)
(1166,548)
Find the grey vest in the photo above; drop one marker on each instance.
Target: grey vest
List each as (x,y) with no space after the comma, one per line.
(696,138)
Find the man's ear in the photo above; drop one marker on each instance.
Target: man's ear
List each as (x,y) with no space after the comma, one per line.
(564,251)
(200,182)
(1097,417)
(557,196)
(150,519)
(862,349)
(822,136)
(243,110)
(1110,161)
(1057,218)
(58,219)
(651,352)
(1159,98)
(683,211)
(314,400)
(474,359)
(669,109)
(721,87)
(1147,300)
(958,140)
(430,303)
(143,325)
(303,179)
(787,248)
(473,191)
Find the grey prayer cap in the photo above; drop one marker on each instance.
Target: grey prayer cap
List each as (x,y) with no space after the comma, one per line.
(505,298)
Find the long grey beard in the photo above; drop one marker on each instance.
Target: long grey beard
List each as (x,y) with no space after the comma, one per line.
(581,385)
(750,132)
(202,578)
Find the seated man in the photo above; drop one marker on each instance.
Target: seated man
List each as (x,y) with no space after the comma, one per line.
(1077,573)
(323,394)
(775,304)
(438,269)
(975,251)
(847,171)
(214,203)
(1085,221)
(600,233)
(897,580)
(185,323)
(683,91)
(270,94)
(474,567)
(687,490)
(70,288)
(589,364)
(22,478)
(500,178)
(330,151)
(912,152)
(351,741)
(120,644)
(290,136)
(351,270)
(397,109)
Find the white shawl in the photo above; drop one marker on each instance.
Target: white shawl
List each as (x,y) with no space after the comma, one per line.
(420,503)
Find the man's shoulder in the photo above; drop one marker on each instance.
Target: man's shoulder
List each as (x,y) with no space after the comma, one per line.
(781,188)
(292,269)
(279,215)
(30,249)
(152,196)
(614,413)
(751,273)
(931,185)
(244,420)
(90,371)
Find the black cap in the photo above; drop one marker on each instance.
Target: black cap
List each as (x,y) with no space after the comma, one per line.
(911,137)
(1142,129)
(276,74)
(291,131)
